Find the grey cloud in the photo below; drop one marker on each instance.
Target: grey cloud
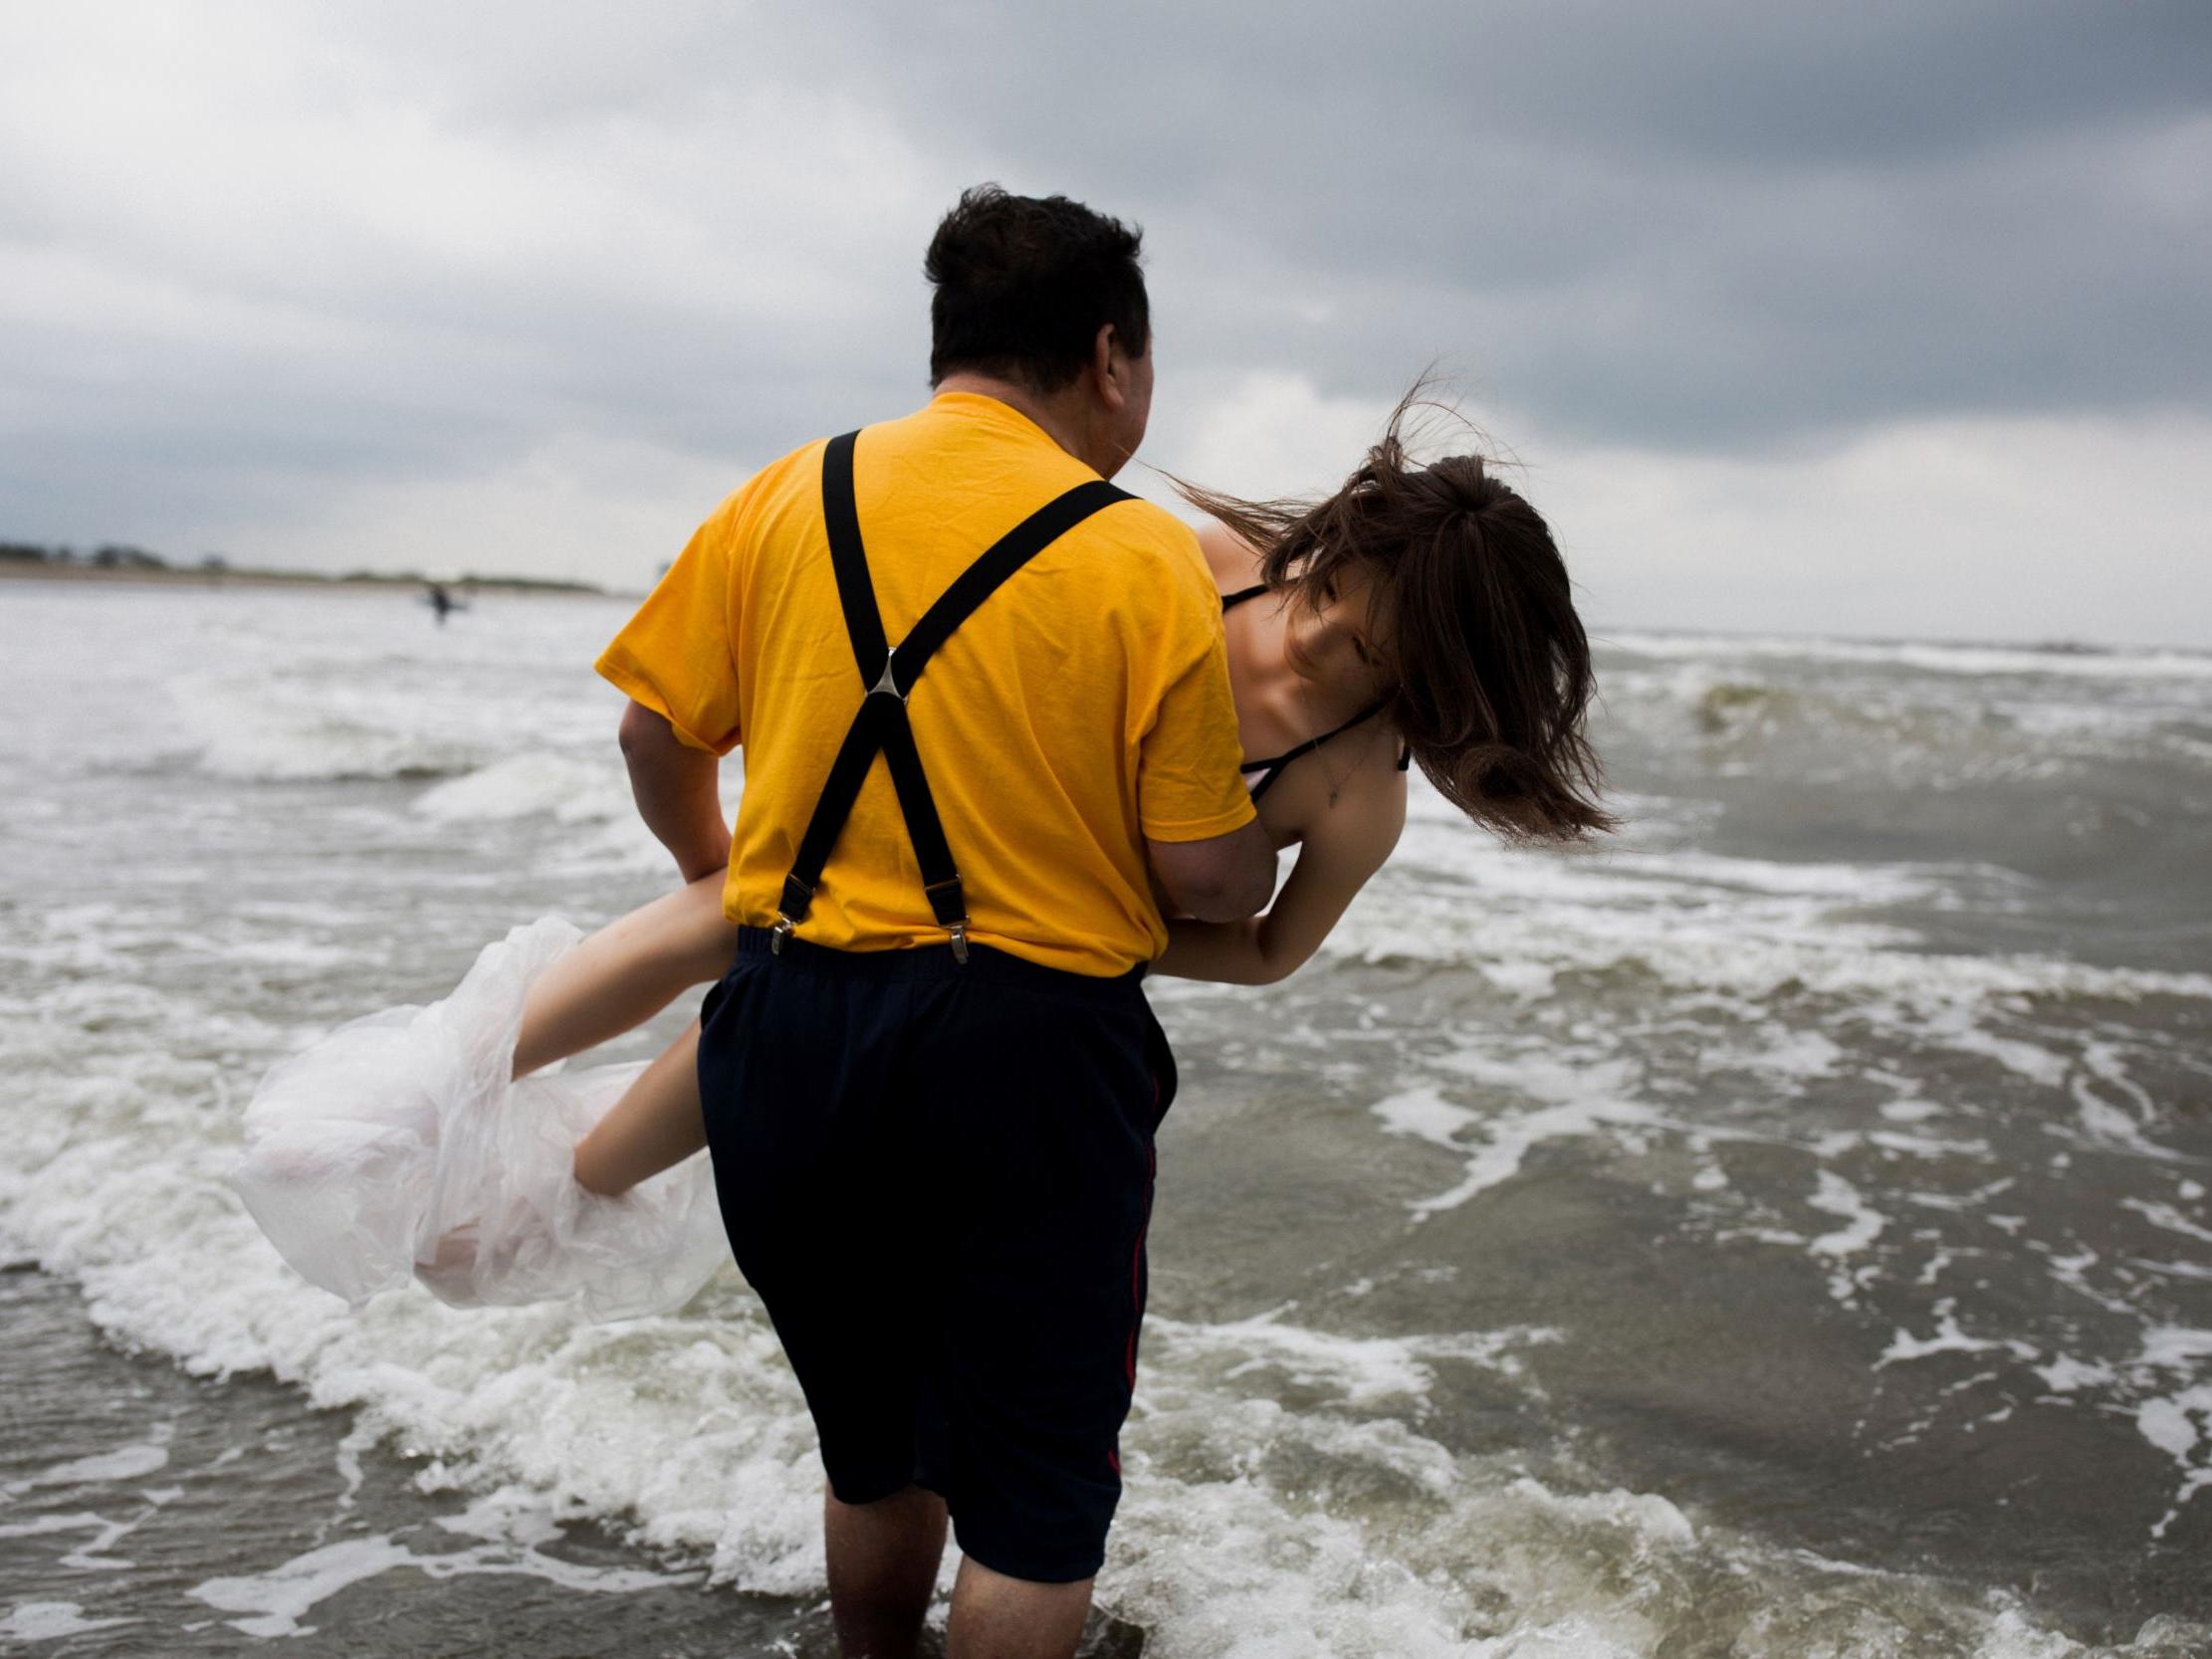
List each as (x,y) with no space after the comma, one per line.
(1713,223)
(1707,225)
(1718,80)
(1717,225)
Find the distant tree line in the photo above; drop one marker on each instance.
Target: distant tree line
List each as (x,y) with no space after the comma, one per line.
(114,555)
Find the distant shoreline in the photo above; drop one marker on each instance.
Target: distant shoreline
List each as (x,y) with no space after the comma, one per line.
(33,570)
(1754,640)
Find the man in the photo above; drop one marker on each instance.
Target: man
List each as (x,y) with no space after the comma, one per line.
(931,1080)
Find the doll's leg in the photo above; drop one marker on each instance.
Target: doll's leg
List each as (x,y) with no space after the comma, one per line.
(625,973)
(655,1126)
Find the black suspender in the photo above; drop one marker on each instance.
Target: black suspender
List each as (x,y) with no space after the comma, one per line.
(888,675)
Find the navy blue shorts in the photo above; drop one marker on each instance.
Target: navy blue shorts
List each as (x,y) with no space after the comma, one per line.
(937,1179)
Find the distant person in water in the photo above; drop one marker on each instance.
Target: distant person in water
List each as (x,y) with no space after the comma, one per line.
(441,602)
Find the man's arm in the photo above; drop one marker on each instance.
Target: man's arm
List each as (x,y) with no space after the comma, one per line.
(678,792)
(1337,855)
(1224,878)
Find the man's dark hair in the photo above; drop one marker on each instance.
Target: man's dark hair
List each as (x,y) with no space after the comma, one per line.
(1023,284)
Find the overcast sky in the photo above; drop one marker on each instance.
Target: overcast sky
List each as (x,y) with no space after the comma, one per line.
(1888,318)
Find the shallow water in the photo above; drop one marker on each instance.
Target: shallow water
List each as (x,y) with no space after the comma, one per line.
(1785,1232)
(149,1512)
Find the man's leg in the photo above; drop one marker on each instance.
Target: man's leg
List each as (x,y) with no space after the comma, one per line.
(883,1569)
(1047,1157)
(997,1618)
(812,1165)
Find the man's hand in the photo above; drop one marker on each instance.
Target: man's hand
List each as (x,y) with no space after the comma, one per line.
(678,792)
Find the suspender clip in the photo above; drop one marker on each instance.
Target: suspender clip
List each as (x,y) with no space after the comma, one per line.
(778,934)
(949,904)
(887,685)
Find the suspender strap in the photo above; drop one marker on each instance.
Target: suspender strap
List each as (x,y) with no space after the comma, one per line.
(888,675)
(841,517)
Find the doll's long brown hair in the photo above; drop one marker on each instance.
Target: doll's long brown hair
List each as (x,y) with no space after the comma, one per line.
(1486,664)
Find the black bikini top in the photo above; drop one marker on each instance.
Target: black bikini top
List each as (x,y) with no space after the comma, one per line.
(1274,767)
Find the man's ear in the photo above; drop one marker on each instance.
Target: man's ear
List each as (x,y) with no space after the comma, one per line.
(1111,374)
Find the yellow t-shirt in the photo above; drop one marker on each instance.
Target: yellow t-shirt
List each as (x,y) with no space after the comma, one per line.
(1084,706)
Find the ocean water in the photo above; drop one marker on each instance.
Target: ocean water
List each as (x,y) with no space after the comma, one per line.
(1784,1231)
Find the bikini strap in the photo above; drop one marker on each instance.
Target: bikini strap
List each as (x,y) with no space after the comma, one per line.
(1272,768)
